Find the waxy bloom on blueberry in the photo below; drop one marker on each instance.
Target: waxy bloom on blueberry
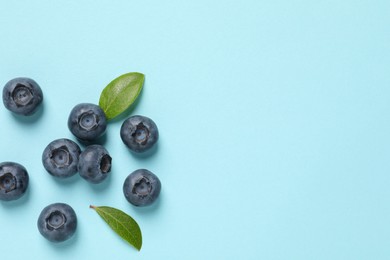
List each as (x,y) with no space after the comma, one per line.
(57,222)
(87,122)
(94,164)
(61,157)
(22,96)
(13,181)
(141,187)
(139,133)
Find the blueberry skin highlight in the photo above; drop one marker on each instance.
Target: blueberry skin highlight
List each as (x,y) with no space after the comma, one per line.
(61,157)
(87,122)
(14,181)
(57,222)
(94,164)
(139,133)
(22,96)
(141,188)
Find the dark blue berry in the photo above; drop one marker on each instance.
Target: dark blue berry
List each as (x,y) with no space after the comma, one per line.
(22,96)
(57,222)
(141,187)
(61,157)
(13,181)
(139,133)
(87,122)
(94,164)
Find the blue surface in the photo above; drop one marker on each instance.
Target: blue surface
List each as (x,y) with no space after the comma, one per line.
(273,116)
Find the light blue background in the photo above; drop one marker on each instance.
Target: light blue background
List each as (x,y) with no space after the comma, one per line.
(273,115)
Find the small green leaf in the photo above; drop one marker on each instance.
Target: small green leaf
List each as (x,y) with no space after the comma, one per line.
(121,93)
(124,225)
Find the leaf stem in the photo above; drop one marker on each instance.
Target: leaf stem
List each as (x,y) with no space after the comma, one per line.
(92,207)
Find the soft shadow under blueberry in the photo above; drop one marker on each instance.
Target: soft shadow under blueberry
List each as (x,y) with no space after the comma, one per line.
(145,155)
(103,186)
(19,202)
(101,141)
(151,209)
(30,119)
(66,181)
(62,246)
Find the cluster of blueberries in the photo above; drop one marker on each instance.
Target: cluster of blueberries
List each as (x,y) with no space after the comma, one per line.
(63,158)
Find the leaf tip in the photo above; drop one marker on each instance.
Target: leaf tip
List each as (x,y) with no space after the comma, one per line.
(141,74)
(138,247)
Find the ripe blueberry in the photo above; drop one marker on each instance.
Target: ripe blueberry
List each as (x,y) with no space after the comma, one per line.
(94,164)
(61,157)
(139,133)
(87,122)
(141,187)
(57,222)
(13,181)
(22,96)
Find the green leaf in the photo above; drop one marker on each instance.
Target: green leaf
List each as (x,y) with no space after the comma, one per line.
(121,93)
(124,225)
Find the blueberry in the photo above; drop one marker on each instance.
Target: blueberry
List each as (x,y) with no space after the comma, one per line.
(87,122)
(13,181)
(94,164)
(22,96)
(139,133)
(61,157)
(57,222)
(141,187)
